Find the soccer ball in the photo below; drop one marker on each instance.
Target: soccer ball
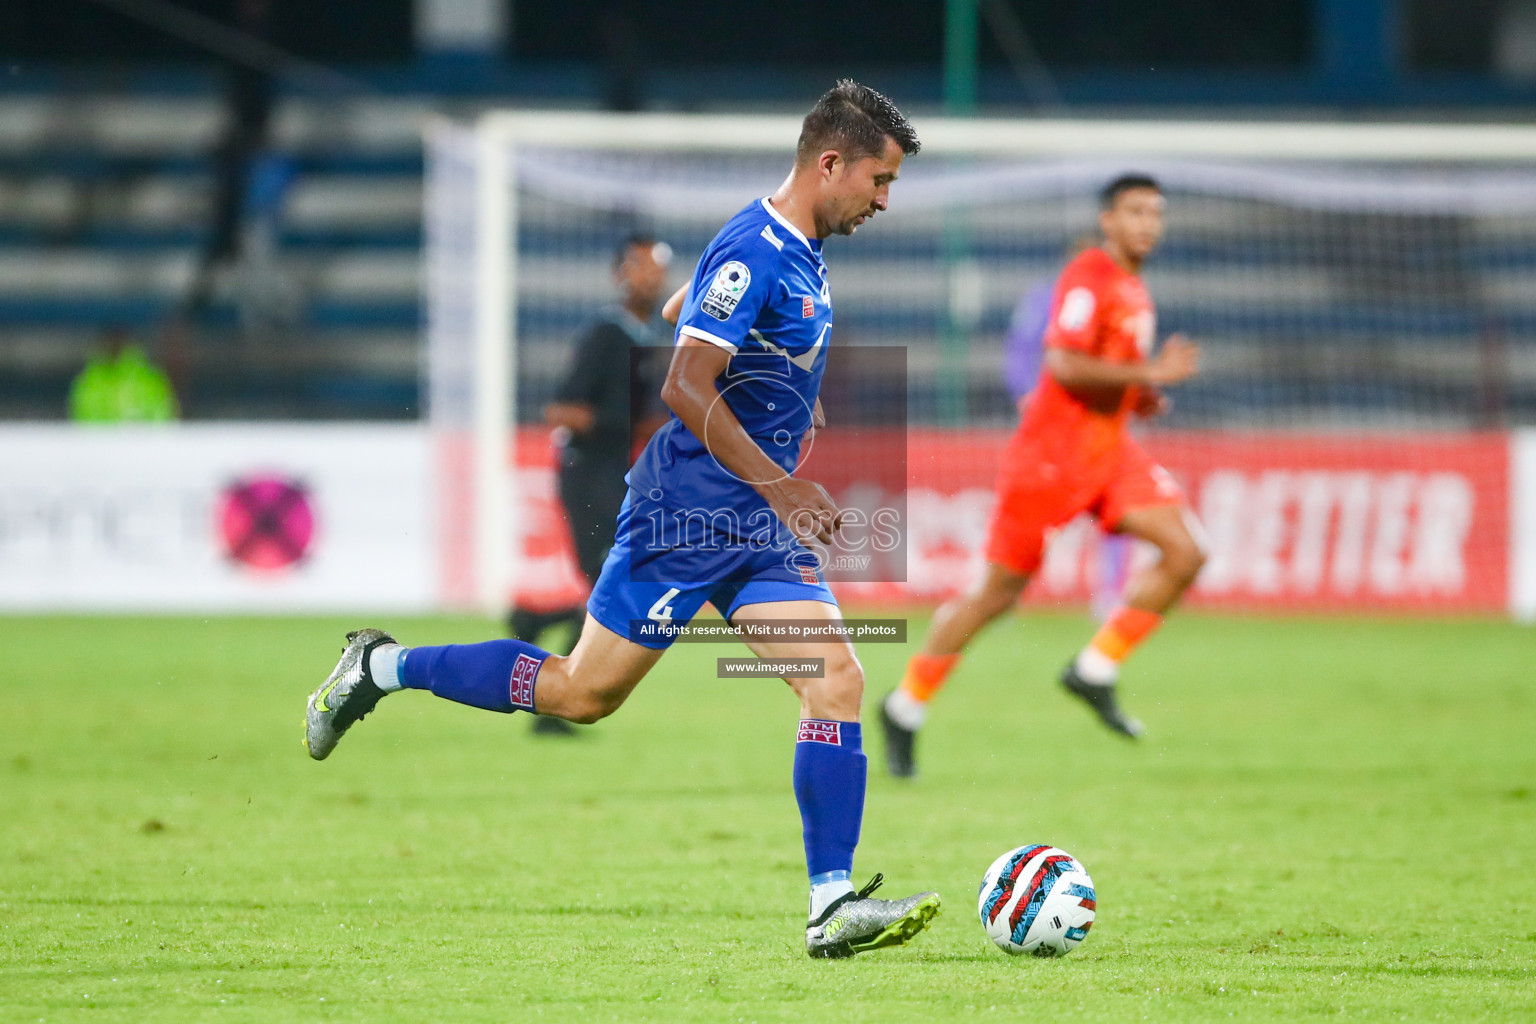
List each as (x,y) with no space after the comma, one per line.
(1036,899)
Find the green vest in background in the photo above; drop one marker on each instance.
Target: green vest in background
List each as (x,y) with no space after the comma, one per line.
(128,389)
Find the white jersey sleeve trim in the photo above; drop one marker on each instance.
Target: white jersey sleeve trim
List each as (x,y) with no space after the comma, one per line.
(703,335)
(786,225)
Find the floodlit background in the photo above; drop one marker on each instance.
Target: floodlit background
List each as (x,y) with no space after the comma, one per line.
(251,318)
(232,193)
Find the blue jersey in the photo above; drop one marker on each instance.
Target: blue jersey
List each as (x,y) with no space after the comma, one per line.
(690,530)
(760,292)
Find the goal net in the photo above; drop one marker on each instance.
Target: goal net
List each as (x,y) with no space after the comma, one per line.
(1364,295)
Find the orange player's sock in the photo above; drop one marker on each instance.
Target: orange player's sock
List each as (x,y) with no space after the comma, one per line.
(907,705)
(1122,633)
(926,674)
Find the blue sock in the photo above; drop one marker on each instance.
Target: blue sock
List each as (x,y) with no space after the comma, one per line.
(830,770)
(497,675)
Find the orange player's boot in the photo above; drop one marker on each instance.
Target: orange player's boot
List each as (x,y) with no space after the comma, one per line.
(1101,698)
(903,710)
(900,743)
(1093,674)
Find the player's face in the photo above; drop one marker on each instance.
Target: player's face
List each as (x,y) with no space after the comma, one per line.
(643,274)
(856,191)
(1135,222)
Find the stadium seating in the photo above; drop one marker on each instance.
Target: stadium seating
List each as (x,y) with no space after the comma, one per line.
(105,205)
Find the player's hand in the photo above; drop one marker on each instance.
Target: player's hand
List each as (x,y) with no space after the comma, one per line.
(1151,402)
(1178,361)
(805,507)
(818,422)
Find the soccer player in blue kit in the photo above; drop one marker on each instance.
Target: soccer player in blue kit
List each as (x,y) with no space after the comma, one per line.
(714,513)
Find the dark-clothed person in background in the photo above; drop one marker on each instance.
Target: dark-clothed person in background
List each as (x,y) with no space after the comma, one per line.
(604,411)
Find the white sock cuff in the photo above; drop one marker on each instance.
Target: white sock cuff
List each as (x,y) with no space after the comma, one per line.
(384,666)
(823,893)
(906,711)
(1094,666)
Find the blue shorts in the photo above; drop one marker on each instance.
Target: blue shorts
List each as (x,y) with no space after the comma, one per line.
(664,565)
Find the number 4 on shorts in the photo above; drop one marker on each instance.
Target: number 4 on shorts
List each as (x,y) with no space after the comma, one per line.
(661,611)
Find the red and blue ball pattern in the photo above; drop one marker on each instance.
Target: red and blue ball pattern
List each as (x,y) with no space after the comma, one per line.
(1037,899)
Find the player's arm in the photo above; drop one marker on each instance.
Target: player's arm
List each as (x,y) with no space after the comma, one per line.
(690,392)
(1072,342)
(818,421)
(673,307)
(1150,402)
(1178,360)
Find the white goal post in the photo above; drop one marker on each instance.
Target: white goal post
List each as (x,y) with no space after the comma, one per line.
(475,271)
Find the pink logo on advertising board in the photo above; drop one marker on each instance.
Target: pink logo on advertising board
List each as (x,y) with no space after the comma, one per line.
(813,731)
(266,522)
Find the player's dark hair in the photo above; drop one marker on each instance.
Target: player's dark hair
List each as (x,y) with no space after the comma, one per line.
(631,240)
(855,120)
(1125,183)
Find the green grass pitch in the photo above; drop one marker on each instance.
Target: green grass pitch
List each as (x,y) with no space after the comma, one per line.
(1328,820)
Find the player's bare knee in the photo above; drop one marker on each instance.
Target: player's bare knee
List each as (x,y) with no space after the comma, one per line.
(565,691)
(844,682)
(848,680)
(839,693)
(1184,559)
(587,708)
(1198,561)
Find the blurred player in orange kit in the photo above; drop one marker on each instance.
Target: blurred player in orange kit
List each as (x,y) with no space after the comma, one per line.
(1073,454)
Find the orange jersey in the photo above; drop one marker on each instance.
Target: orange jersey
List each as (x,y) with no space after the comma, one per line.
(1103,310)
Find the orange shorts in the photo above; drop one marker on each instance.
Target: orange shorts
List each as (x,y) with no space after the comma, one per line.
(1036,495)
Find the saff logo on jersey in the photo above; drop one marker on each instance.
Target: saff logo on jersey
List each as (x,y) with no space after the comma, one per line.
(726,290)
(817,731)
(1076,309)
(807,307)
